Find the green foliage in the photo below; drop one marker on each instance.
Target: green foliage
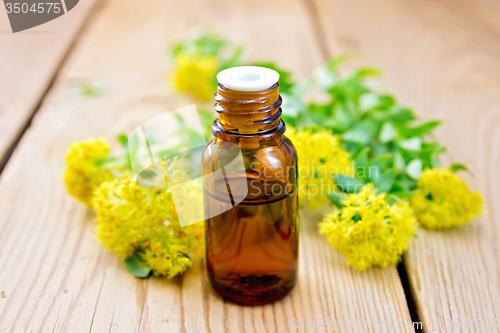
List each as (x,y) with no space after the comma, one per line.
(90,89)
(348,184)
(336,198)
(202,41)
(385,138)
(458,167)
(207,118)
(137,266)
(388,143)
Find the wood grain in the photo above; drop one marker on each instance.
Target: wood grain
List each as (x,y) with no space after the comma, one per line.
(55,275)
(30,60)
(443,58)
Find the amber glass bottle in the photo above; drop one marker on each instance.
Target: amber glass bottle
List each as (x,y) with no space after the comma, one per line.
(252,247)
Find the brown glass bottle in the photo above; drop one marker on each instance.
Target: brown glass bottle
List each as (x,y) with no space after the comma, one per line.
(252,248)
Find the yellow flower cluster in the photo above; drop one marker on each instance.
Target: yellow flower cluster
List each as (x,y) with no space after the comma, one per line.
(83,173)
(194,73)
(444,200)
(368,230)
(131,218)
(321,157)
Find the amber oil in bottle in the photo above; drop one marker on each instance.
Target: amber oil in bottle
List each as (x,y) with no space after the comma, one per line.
(251,248)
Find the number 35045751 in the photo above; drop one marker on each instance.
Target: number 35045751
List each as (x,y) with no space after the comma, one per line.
(48,7)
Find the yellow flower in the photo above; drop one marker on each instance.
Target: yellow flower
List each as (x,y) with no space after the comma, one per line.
(83,174)
(195,73)
(131,218)
(444,200)
(368,230)
(320,159)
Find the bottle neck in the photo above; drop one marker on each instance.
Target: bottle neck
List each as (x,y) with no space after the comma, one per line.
(248,116)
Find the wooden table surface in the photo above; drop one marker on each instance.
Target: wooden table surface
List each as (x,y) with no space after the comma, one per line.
(442,57)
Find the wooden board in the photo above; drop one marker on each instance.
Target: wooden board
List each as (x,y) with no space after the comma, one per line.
(30,60)
(442,57)
(55,275)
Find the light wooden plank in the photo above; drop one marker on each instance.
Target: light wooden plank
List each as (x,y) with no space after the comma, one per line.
(54,273)
(442,57)
(30,60)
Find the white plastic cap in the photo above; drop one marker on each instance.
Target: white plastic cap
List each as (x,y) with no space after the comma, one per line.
(248,78)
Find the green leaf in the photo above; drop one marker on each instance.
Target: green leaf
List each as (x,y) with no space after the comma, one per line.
(361,133)
(98,162)
(403,183)
(367,71)
(207,118)
(320,109)
(403,194)
(386,101)
(387,133)
(357,136)
(362,163)
(176,49)
(201,41)
(430,153)
(399,161)
(400,115)
(137,266)
(133,144)
(434,162)
(336,198)
(324,77)
(413,144)
(194,138)
(348,184)
(368,101)
(385,181)
(334,63)
(380,148)
(89,89)
(383,161)
(420,130)
(457,167)
(361,158)
(414,168)
(123,140)
(341,116)
(292,106)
